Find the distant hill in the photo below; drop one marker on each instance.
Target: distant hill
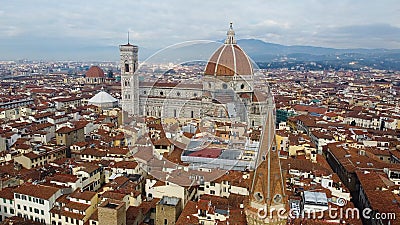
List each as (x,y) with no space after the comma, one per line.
(259,50)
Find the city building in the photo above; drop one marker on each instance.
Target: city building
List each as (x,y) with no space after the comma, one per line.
(226,90)
(34,202)
(168,210)
(95,75)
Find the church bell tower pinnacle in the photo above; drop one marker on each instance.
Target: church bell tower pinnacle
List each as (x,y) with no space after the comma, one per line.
(267,200)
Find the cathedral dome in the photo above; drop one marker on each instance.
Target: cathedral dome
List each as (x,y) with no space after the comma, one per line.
(229,59)
(95,71)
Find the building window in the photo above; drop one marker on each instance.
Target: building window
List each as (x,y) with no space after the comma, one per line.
(42,212)
(165,221)
(127,67)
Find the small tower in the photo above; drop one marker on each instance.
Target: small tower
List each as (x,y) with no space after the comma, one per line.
(129,79)
(267,200)
(168,210)
(112,213)
(230,36)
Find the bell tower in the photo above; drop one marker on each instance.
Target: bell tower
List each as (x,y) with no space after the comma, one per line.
(267,200)
(129,79)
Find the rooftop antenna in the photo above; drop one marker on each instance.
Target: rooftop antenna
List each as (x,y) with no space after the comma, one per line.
(128,37)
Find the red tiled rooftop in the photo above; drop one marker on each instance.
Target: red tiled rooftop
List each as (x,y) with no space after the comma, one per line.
(7,193)
(207,153)
(38,191)
(84,195)
(64,178)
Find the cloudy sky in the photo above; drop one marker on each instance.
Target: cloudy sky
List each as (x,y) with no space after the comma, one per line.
(92,29)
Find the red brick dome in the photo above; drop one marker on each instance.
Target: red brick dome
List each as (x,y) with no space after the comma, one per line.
(95,71)
(229,59)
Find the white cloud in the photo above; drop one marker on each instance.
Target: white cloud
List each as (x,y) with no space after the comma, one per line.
(160,23)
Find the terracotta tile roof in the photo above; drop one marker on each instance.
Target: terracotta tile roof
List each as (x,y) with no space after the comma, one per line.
(175,156)
(235,178)
(351,160)
(148,205)
(395,153)
(131,213)
(379,199)
(113,195)
(63,199)
(77,206)
(207,153)
(68,99)
(117,151)
(38,191)
(94,152)
(65,130)
(310,109)
(124,164)
(84,195)
(162,141)
(41,126)
(305,165)
(187,216)
(89,167)
(7,193)
(64,178)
